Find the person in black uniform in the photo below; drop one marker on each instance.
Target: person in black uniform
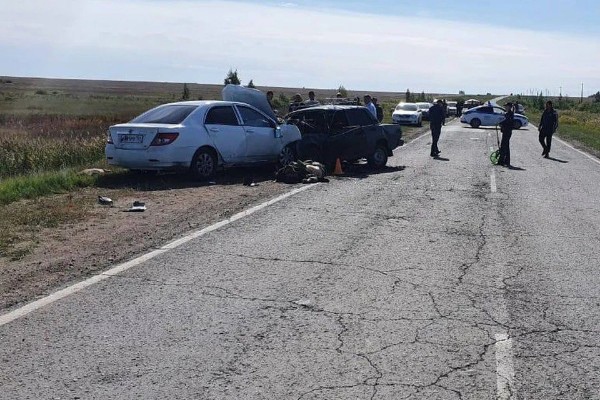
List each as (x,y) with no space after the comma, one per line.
(548,125)
(437,118)
(506,128)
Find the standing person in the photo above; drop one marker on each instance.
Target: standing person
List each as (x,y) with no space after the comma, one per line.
(270,98)
(548,125)
(459,107)
(506,128)
(370,106)
(378,109)
(311,100)
(437,118)
(296,103)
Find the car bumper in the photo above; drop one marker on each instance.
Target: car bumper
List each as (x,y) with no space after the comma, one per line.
(159,158)
(409,120)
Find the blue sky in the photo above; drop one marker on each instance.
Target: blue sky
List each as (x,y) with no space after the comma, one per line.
(432,46)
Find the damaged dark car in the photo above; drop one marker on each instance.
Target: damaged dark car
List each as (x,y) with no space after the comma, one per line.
(349,133)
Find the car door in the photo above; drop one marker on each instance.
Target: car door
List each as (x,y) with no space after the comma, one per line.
(365,135)
(347,139)
(486,115)
(227,135)
(261,141)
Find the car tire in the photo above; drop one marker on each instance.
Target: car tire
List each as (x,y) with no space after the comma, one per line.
(204,164)
(517,124)
(475,123)
(287,155)
(379,157)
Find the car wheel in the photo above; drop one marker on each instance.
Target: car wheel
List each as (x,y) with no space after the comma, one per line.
(379,157)
(475,123)
(204,164)
(287,155)
(517,124)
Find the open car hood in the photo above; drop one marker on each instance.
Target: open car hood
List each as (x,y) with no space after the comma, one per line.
(254,97)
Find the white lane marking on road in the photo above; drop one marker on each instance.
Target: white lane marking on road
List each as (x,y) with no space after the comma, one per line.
(36,305)
(493,177)
(579,151)
(505,372)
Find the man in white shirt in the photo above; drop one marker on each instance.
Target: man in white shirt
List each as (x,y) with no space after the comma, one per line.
(311,100)
(369,104)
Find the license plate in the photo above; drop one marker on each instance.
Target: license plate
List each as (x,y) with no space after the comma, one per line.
(131,138)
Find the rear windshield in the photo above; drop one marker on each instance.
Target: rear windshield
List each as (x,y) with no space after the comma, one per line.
(172,114)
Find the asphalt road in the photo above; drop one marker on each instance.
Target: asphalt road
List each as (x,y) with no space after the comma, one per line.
(435,279)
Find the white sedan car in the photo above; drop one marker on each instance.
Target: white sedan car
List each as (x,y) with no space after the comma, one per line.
(489,116)
(200,136)
(407,113)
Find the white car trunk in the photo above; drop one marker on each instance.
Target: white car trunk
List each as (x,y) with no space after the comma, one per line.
(132,137)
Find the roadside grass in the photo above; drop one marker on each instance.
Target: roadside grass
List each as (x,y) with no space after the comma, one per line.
(49,145)
(42,184)
(22,221)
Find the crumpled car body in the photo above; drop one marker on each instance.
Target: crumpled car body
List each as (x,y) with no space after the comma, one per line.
(349,133)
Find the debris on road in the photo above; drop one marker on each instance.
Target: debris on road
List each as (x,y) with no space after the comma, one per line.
(138,206)
(105,201)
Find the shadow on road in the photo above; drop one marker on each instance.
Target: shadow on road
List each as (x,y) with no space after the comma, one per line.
(362,170)
(515,168)
(438,158)
(557,160)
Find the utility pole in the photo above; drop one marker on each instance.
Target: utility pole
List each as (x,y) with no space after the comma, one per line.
(581,100)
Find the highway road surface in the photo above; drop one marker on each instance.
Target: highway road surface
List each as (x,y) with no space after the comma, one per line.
(434,279)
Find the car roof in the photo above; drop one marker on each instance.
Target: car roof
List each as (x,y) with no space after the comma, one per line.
(326,107)
(202,103)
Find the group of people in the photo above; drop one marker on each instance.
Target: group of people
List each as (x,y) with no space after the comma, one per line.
(547,127)
(297,103)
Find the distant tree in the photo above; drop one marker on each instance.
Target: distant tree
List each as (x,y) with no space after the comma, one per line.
(597,97)
(539,101)
(342,90)
(232,78)
(461,92)
(422,96)
(251,84)
(186,92)
(407,96)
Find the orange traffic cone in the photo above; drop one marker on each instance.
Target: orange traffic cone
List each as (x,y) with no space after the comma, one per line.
(338,167)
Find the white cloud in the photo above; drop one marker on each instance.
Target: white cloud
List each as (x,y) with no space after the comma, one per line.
(292,46)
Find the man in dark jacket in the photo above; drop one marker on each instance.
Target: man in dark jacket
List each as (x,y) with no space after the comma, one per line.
(548,125)
(437,118)
(506,128)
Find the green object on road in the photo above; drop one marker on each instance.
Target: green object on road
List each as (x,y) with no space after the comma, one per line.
(495,157)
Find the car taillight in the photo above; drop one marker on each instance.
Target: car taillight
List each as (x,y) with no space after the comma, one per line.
(109,139)
(163,139)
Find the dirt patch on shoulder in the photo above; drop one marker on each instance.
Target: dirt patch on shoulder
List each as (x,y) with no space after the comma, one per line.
(92,237)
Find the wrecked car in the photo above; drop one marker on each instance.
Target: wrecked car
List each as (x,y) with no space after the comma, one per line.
(349,133)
